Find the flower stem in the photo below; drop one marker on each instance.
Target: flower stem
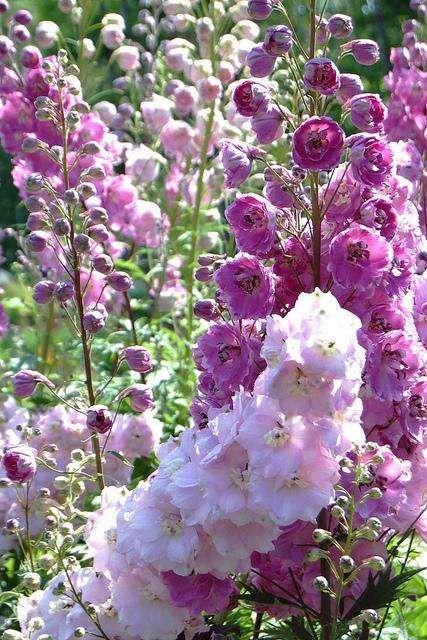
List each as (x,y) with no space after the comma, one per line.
(75,263)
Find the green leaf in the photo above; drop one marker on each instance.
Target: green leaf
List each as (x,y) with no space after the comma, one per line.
(381,590)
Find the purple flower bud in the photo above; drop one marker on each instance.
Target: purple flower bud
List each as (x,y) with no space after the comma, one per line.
(19,462)
(22,16)
(6,46)
(207,259)
(4,6)
(31,57)
(350,85)
(99,418)
(98,215)
(30,143)
(248,96)
(99,232)
(367,112)
(340,26)
(37,221)
(365,52)
(61,227)
(43,291)
(94,320)
(260,63)
(86,190)
(24,382)
(206,309)
(267,123)
(322,75)
(119,281)
(35,203)
(103,263)
(278,40)
(64,290)
(37,241)
(140,396)
(204,274)
(34,182)
(138,359)
(81,243)
(20,33)
(260,9)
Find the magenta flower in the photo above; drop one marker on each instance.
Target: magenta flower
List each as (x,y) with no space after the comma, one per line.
(359,257)
(318,144)
(248,96)
(379,213)
(25,382)
(367,112)
(260,63)
(228,356)
(237,159)
(138,359)
(43,291)
(278,40)
(99,418)
(246,286)
(372,160)
(253,223)
(365,52)
(199,592)
(392,364)
(119,281)
(322,75)
(19,462)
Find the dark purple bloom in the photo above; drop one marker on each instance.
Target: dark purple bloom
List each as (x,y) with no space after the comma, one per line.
(318,144)
(278,40)
(260,9)
(43,291)
(19,462)
(246,286)
(359,257)
(206,309)
(248,96)
(253,223)
(99,418)
(322,75)
(64,291)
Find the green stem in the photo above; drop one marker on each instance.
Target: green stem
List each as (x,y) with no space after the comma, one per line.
(196,219)
(47,336)
(79,302)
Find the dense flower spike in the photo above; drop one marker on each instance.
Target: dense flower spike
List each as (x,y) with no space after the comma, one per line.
(242,217)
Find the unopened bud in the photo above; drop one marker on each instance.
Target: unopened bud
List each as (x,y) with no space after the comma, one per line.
(347,564)
(320,584)
(320,535)
(31,581)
